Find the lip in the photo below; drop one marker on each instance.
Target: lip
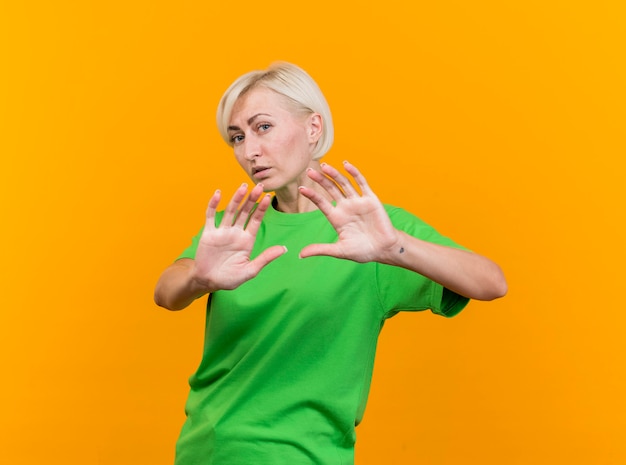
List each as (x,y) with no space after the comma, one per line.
(260,172)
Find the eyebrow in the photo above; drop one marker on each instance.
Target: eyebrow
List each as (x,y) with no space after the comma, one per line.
(250,121)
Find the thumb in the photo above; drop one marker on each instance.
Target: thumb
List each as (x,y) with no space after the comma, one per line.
(328,250)
(267,256)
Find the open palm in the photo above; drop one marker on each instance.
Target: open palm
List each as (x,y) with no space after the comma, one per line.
(362,224)
(223,255)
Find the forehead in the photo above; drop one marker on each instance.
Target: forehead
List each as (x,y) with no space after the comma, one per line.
(259,100)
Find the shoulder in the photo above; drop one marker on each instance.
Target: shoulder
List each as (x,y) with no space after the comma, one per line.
(416,227)
(400,216)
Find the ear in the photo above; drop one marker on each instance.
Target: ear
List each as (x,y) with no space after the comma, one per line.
(315,127)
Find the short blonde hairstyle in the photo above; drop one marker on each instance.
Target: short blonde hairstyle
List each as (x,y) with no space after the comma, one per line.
(291,82)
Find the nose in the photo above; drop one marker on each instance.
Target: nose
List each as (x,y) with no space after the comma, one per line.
(251,148)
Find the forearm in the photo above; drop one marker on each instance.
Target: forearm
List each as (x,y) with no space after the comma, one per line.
(466,273)
(175,288)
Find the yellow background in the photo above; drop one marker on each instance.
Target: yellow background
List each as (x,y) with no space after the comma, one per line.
(500,123)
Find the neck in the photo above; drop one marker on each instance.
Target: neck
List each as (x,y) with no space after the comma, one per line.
(290,200)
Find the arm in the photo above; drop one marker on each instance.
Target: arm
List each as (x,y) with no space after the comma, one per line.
(222,258)
(466,273)
(176,289)
(367,234)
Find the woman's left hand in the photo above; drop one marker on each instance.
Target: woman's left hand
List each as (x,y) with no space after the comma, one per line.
(367,235)
(364,228)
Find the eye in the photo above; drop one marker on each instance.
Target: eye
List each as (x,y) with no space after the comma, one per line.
(264,127)
(236,138)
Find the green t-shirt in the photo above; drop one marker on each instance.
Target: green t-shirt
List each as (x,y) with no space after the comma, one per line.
(288,356)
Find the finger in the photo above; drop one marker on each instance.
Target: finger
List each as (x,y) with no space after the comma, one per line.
(320,202)
(358,178)
(329,185)
(211,210)
(328,250)
(257,215)
(267,256)
(248,206)
(230,212)
(346,186)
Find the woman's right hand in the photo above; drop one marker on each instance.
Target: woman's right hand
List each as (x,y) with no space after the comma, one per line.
(223,254)
(222,258)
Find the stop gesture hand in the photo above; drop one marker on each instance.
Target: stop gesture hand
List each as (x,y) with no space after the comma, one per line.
(223,254)
(364,228)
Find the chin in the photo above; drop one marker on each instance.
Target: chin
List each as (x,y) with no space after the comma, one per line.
(268,186)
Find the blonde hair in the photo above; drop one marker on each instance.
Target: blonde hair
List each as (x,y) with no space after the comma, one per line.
(291,82)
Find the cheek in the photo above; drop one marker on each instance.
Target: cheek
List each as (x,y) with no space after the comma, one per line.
(298,141)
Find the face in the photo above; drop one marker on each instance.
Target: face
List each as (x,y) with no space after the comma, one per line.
(272,142)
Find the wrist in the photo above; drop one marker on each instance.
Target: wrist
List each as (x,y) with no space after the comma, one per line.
(199,285)
(395,253)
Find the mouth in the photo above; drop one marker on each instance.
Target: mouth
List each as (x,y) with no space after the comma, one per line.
(260,171)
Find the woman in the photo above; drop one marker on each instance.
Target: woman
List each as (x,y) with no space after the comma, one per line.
(299,285)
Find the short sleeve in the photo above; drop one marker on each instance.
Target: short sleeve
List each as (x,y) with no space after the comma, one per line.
(405,290)
(190,251)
